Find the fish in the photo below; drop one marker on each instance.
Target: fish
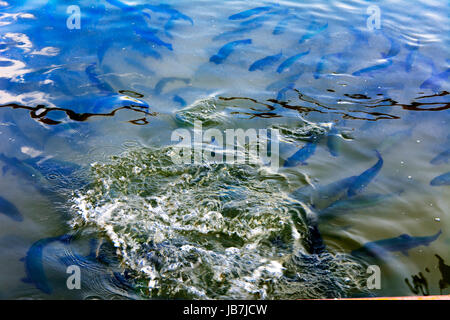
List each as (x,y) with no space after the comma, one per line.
(301,155)
(334,142)
(169,10)
(358,202)
(382,65)
(442,157)
(402,243)
(227,49)
(48,167)
(361,37)
(146,51)
(322,61)
(248,13)
(283,83)
(34,264)
(10,210)
(174,17)
(280,28)
(159,87)
(228,35)
(46,175)
(436,80)
(246,27)
(289,61)
(19,168)
(101,50)
(265,62)
(326,192)
(442,180)
(313,29)
(281,96)
(393,50)
(151,37)
(365,178)
(395,138)
(111,101)
(254,23)
(180,100)
(102,86)
(409,61)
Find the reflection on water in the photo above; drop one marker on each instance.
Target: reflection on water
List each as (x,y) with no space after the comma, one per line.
(363,115)
(42,113)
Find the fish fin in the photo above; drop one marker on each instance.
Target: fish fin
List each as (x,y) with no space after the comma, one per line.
(378,154)
(405,236)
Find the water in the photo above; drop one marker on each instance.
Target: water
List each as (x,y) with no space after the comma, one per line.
(87,117)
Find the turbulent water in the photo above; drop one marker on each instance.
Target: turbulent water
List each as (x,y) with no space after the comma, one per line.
(92,95)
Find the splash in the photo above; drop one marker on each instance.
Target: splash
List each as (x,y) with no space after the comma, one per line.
(209,231)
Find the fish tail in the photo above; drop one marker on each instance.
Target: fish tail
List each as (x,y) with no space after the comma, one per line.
(438,234)
(378,154)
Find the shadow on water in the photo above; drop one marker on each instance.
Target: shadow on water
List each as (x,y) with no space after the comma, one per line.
(317,106)
(263,110)
(445,272)
(41,112)
(419,285)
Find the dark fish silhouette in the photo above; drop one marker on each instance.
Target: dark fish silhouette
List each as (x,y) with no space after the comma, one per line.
(170,11)
(442,180)
(326,192)
(402,243)
(382,65)
(227,49)
(283,83)
(180,100)
(313,29)
(410,58)
(334,142)
(365,178)
(442,157)
(10,210)
(102,86)
(265,62)
(238,32)
(301,155)
(290,61)
(335,58)
(151,37)
(358,202)
(393,50)
(159,87)
(34,263)
(395,138)
(248,13)
(280,28)
(436,81)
